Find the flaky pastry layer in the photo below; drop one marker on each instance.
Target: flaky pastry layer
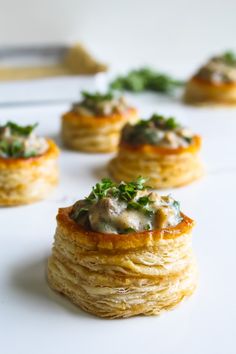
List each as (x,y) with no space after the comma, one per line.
(115,276)
(94,134)
(24,181)
(202,92)
(163,167)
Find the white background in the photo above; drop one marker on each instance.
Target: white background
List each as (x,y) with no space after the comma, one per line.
(36,320)
(173,35)
(126,32)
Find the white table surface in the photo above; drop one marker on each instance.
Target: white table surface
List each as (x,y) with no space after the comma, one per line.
(35,320)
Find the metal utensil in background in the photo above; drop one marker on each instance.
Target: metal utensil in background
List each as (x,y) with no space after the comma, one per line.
(46,73)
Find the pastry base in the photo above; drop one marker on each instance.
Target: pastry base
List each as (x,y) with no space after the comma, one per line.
(94,134)
(24,181)
(200,92)
(118,276)
(163,168)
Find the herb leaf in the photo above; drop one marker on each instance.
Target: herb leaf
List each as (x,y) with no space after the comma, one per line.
(149,131)
(229,57)
(171,123)
(176,205)
(123,191)
(20,130)
(12,137)
(97,96)
(146,79)
(147,227)
(129,230)
(13,149)
(100,190)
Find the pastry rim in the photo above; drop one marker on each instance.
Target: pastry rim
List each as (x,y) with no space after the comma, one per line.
(204,82)
(73,117)
(15,162)
(100,240)
(161,150)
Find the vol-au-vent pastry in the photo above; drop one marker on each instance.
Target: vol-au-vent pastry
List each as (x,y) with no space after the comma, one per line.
(28,165)
(161,150)
(94,123)
(214,82)
(123,251)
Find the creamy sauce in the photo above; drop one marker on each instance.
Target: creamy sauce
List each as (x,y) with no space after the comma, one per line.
(159,134)
(102,107)
(218,70)
(112,215)
(13,144)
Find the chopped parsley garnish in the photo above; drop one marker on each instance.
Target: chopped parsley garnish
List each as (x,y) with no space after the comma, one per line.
(229,58)
(159,121)
(127,191)
(149,131)
(123,191)
(100,104)
(16,129)
(100,190)
(124,208)
(147,227)
(146,79)
(13,149)
(176,205)
(163,123)
(129,230)
(171,123)
(12,140)
(142,204)
(97,96)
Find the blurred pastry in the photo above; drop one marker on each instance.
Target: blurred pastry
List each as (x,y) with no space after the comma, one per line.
(94,123)
(28,165)
(123,251)
(214,82)
(161,150)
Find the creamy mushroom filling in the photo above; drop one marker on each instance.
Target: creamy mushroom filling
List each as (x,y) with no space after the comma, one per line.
(159,131)
(98,104)
(220,69)
(20,141)
(124,208)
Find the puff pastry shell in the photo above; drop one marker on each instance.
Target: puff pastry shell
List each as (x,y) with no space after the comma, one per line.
(26,180)
(94,134)
(163,167)
(113,275)
(200,91)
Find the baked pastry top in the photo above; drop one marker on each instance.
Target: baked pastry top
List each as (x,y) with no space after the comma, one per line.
(20,141)
(122,251)
(214,82)
(219,69)
(94,123)
(161,150)
(100,105)
(28,165)
(157,131)
(125,208)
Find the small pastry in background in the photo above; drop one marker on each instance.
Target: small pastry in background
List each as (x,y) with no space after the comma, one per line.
(214,82)
(94,123)
(123,251)
(159,149)
(28,165)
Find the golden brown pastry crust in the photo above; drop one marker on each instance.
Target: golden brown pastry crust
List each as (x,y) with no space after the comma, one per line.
(163,167)
(202,92)
(113,275)
(26,180)
(94,134)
